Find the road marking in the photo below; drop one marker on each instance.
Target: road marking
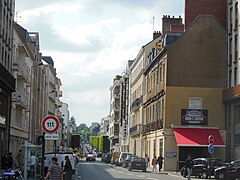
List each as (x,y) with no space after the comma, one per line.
(152,178)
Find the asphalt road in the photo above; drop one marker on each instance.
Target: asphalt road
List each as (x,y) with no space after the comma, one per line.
(101,171)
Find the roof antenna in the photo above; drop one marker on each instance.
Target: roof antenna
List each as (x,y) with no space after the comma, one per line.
(152,23)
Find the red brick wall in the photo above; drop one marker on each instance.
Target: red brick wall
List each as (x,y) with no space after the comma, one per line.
(193,8)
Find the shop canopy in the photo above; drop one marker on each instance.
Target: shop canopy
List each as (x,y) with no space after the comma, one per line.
(195,137)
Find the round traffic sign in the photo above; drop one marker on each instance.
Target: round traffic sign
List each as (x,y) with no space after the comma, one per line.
(210,148)
(50,124)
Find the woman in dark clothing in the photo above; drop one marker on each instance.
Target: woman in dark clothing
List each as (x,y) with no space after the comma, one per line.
(189,165)
(4,161)
(10,161)
(68,169)
(160,162)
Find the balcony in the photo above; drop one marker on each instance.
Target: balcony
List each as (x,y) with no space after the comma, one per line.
(153,126)
(20,100)
(116,96)
(22,71)
(137,103)
(137,129)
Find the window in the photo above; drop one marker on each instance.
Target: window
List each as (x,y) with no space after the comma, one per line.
(230,51)
(236,47)
(236,14)
(235,76)
(229,78)
(161,147)
(230,19)
(154,147)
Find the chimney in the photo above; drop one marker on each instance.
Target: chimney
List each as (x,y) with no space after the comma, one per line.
(156,34)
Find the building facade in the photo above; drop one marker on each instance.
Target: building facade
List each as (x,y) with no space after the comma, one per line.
(232,91)
(114,120)
(186,96)
(137,91)
(7,81)
(124,109)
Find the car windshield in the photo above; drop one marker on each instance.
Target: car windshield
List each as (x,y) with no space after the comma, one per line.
(138,159)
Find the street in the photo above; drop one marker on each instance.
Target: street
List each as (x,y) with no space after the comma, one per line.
(101,171)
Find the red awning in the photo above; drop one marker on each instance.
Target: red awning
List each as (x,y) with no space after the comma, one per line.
(195,137)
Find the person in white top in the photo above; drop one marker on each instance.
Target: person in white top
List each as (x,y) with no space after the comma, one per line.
(33,161)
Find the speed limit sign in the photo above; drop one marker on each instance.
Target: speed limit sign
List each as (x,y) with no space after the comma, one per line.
(50,124)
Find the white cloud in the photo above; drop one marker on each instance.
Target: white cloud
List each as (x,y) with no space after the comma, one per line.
(90,42)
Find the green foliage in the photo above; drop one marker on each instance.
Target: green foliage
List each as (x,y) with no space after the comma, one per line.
(97,142)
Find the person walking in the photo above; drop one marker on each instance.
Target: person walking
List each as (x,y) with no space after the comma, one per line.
(146,160)
(10,161)
(154,164)
(33,161)
(55,172)
(4,161)
(189,165)
(19,158)
(45,166)
(160,162)
(68,169)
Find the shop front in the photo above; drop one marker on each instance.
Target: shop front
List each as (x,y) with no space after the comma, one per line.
(195,141)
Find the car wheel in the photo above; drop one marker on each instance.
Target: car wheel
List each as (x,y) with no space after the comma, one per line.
(204,175)
(221,176)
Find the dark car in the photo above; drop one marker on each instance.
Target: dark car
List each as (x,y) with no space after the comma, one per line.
(90,157)
(229,171)
(202,167)
(127,160)
(137,163)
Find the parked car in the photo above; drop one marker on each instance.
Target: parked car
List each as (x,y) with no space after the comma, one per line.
(106,158)
(122,156)
(202,167)
(137,163)
(91,157)
(127,160)
(61,159)
(228,171)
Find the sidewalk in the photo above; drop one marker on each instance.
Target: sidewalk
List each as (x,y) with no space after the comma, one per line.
(173,173)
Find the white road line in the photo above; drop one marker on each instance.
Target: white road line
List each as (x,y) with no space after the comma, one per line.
(152,178)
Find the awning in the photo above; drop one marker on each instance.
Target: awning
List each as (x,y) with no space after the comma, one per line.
(196,137)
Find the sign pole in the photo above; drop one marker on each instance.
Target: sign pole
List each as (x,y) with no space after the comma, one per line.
(43,152)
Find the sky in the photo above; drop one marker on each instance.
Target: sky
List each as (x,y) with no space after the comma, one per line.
(90,42)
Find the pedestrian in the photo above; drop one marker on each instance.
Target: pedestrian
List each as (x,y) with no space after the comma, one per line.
(146,160)
(55,172)
(33,161)
(45,166)
(160,162)
(154,164)
(10,161)
(68,169)
(19,158)
(4,161)
(189,165)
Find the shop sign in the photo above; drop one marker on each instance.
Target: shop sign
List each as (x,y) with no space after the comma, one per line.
(194,116)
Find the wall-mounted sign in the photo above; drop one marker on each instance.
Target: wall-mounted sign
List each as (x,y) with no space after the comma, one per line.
(171,154)
(195,103)
(194,116)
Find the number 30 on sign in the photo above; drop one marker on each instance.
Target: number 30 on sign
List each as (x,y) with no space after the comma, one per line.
(50,124)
